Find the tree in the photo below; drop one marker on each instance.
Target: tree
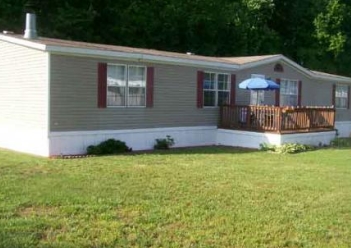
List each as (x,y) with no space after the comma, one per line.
(12,15)
(313,33)
(332,33)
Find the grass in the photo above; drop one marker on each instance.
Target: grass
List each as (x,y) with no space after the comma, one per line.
(201,197)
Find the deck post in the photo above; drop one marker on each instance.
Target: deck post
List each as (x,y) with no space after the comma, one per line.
(279,121)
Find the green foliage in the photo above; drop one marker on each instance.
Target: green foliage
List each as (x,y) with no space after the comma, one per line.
(293,148)
(164,144)
(288,148)
(267,147)
(329,27)
(341,142)
(313,33)
(110,146)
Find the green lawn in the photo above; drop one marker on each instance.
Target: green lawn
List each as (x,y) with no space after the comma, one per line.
(203,197)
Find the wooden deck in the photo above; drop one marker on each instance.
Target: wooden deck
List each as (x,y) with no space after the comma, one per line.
(277,119)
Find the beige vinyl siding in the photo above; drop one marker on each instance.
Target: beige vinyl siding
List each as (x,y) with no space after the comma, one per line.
(314,92)
(320,93)
(243,96)
(74,98)
(23,87)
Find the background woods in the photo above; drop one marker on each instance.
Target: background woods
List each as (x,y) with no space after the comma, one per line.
(315,33)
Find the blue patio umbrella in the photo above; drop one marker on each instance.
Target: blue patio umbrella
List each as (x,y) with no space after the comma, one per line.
(258,84)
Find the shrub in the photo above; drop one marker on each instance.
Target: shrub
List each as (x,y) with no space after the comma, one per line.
(267,147)
(341,142)
(110,146)
(164,144)
(286,148)
(293,148)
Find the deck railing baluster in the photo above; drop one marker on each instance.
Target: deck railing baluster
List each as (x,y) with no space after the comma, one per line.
(277,119)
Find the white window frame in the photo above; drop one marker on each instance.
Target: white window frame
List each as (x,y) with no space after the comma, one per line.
(282,94)
(126,76)
(344,96)
(216,89)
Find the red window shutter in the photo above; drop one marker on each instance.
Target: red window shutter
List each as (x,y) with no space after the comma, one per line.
(200,94)
(150,87)
(277,93)
(232,89)
(348,97)
(299,90)
(333,95)
(102,85)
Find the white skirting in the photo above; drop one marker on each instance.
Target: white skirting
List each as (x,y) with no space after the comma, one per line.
(139,139)
(25,139)
(344,128)
(39,142)
(253,139)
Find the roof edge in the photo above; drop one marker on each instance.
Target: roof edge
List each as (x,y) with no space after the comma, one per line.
(277,58)
(140,57)
(23,42)
(121,55)
(328,76)
(170,60)
(309,73)
(263,61)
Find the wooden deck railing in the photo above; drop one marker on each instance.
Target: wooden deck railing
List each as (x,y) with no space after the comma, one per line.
(277,119)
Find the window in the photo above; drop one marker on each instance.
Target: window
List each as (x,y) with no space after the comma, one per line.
(116,85)
(278,68)
(341,96)
(126,85)
(288,92)
(136,86)
(216,89)
(257,96)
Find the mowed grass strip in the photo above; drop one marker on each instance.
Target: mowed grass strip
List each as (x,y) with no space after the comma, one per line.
(200,197)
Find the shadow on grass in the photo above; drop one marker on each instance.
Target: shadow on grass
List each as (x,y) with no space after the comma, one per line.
(176,150)
(335,148)
(197,150)
(211,150)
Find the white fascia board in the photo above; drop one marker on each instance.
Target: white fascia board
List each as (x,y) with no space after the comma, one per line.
(167,60)
(277,59)
(307,72)
(139,57)
(313,75)
(336,78)
(298,67)
(260,62)
(22,42)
